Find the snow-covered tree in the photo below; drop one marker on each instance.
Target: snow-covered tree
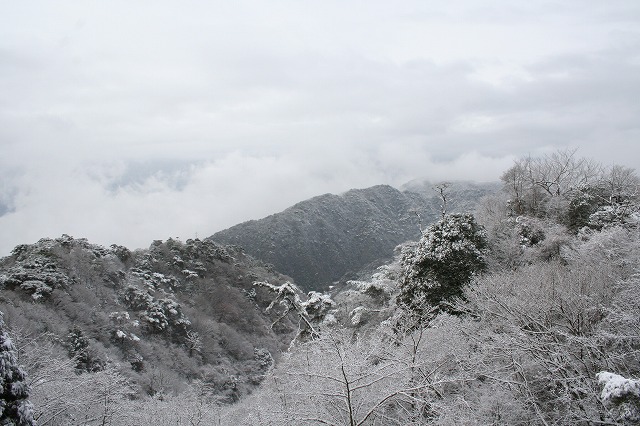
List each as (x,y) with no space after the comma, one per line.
(313,313)
(537,337)
(435,270)
(78,345)
(571,190)
(376,378)
(15,409)
(543,186)
(193,342)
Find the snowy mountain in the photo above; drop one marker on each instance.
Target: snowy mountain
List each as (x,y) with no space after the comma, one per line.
(329,237)
(524,313)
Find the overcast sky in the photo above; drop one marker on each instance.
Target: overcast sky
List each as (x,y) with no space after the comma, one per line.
(128,121)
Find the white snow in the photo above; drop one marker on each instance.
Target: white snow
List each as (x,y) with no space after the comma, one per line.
(356,315)
(616,386)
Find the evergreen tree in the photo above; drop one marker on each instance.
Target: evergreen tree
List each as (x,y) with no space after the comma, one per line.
(79,349)
(445,259)
(15,409)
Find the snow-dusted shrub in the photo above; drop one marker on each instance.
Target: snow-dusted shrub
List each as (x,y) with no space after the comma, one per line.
(313,313)
(621,396)
(615,215)
(317,305)
(37,288)
(136,298)
(189,274)
(86,358)
(34,273)
(159,314)
(264,358)
(379,287)
(358,315)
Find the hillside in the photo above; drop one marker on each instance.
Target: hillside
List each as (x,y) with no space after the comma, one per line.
(525,312)
(323,239)
(158,318)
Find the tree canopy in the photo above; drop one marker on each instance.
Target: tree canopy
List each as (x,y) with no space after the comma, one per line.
(449,254)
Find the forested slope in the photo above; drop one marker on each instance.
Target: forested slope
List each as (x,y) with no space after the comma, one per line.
(526,312)
(319,240)
(146,322)
(528,316)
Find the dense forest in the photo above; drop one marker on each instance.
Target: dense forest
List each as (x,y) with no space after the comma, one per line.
(524,311)
(95,326)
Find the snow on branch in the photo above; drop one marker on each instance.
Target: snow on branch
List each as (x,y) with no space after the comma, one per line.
(311,312)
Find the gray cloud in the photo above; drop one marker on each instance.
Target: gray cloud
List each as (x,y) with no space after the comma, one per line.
(127,122)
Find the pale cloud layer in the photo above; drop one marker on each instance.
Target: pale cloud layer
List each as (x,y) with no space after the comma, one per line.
(125,122)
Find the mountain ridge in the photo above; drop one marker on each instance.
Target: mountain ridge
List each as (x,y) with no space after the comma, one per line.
(319,240)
